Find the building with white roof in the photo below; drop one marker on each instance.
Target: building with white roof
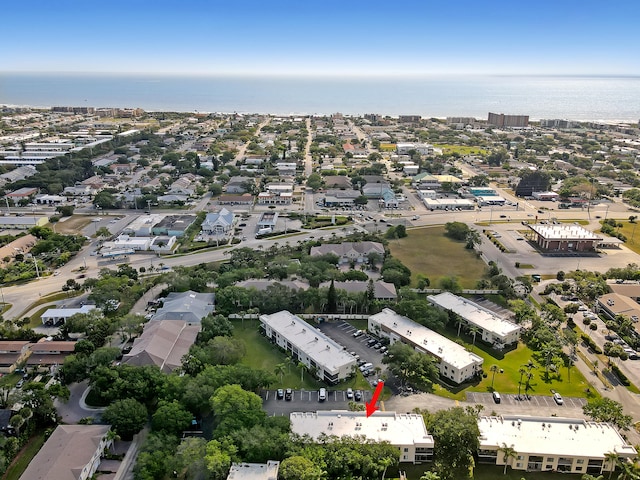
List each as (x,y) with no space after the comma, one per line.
(254,471)
(322,355)
(141,226)
(456,363)
(54,316)
(559,444)
(421,148)
(564,238)
(405,431)
(493,329)
(448,204)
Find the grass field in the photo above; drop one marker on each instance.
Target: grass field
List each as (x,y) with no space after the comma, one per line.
(264,355)
(628,229)
(19,465)
(462,149)
(428,252)
(487,472)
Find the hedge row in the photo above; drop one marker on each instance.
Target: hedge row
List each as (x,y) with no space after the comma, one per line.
(589,341)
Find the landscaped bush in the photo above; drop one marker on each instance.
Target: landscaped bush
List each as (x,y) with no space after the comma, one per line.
(589,341)
(621,376)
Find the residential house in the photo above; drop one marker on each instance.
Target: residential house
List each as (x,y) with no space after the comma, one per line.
(381,290)
(349,251)
(170,333)
(239,184)
(46,353)
(72,452)
(13,353)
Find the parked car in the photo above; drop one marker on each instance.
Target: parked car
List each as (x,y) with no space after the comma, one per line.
(496,397)
(280,394)
(349,393)
(357,333)
(383,350)
(288,394)
(377,346)
(558,398)
(366,366)
(322,394)
(357,396)
(372,342)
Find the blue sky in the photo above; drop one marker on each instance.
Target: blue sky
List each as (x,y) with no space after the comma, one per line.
(348,37)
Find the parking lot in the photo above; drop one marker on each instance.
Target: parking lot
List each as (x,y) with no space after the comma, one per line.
(308,401)
(541,401)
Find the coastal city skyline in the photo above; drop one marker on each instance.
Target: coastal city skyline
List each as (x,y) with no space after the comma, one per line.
(332,39)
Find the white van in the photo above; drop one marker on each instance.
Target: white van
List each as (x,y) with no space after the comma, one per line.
(322,395)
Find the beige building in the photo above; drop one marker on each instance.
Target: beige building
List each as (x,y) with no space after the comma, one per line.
(72,452)
(254,471)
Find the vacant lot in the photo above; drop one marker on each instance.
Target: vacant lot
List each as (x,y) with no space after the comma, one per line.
(73,225)
(462,149)
(428,252)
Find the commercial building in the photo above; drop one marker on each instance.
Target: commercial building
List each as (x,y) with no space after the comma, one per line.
(455,362)
(557,444)
(254,471)
(71,452)
(502,120)
(494,330)
(613,304)
(327,359)
(220,223)
(407,431)
(421,148)
(341,198)
(173,225)
(448,204)
(564,238)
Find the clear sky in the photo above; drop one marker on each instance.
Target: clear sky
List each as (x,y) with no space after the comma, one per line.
(346,37)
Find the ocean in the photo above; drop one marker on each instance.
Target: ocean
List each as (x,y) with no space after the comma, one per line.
(581,98)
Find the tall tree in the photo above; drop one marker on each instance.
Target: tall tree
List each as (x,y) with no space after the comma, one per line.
(508,454)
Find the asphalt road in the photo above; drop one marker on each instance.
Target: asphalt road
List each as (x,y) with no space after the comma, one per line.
(308,401)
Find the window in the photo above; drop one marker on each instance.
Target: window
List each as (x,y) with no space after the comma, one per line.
(406,449)
(580,461)
(549,460)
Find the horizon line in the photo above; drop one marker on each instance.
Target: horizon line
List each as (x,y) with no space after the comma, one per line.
(314,74)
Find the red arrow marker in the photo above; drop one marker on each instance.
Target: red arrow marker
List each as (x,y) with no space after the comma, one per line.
(371,406)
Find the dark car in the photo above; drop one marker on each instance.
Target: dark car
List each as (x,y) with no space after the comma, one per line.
(280,394)
(288,394)
(357,396)
(372,342)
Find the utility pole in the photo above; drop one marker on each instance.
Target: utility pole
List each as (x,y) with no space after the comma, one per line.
(149,207)
(8,209)
(36,264)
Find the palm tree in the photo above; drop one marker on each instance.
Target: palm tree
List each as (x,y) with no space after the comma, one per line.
(494,368)
(280,370)
(459,321)
(630,470)
(301,366)
(112,437)
(522,371)
(473,330)
(611,458)
(387,462)
(509,453)
(587,476)
(430,476)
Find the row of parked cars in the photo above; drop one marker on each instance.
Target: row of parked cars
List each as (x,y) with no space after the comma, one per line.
(287,394)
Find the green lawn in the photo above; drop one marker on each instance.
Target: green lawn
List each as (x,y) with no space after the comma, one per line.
(507,382)
(264,355)
(462,149)
(488,472)
(428,252)
(17,468)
